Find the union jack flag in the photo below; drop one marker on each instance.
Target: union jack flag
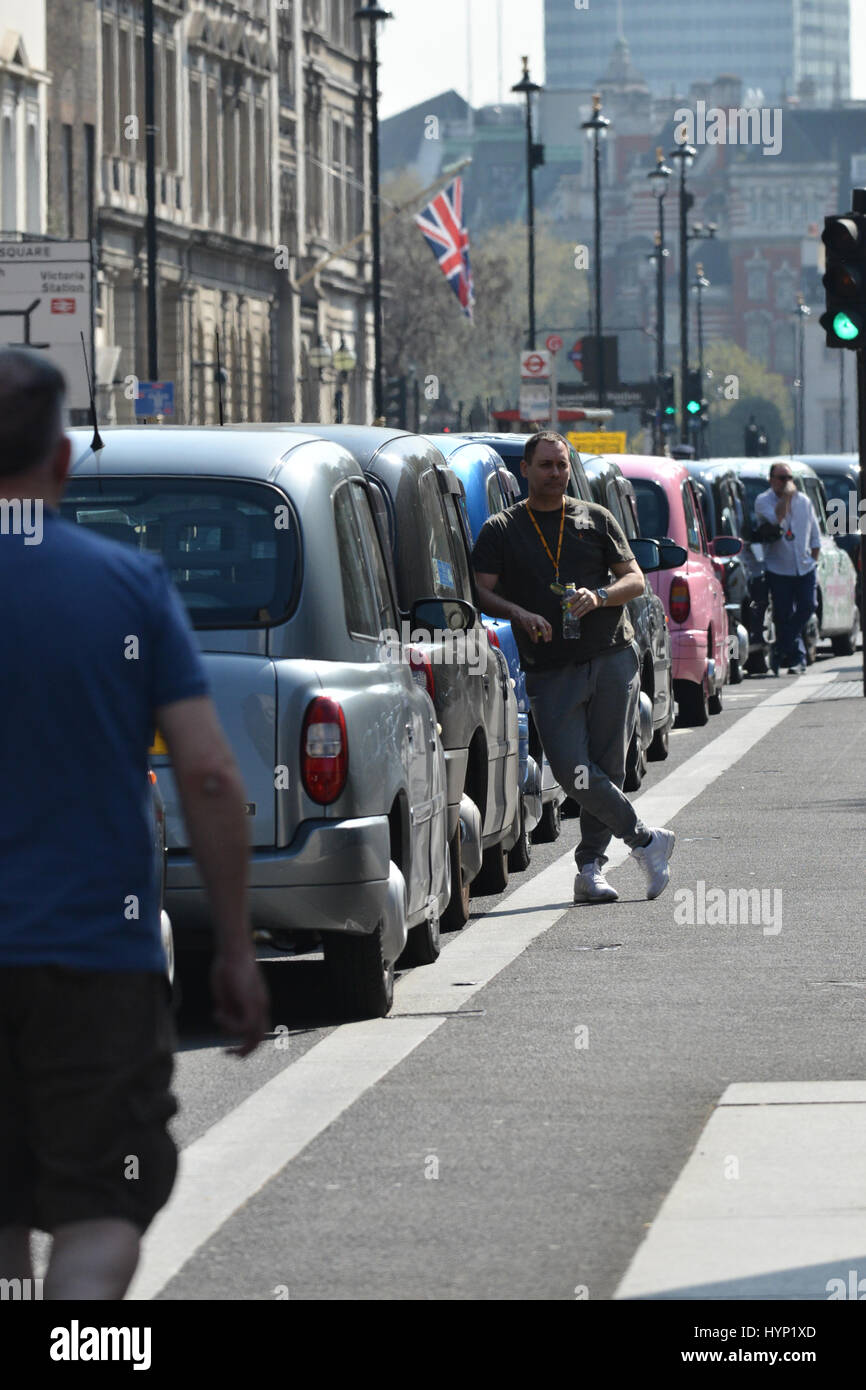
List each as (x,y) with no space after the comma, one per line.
(441,223)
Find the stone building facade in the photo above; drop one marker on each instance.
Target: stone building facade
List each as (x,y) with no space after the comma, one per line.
(24,84)
(240,89)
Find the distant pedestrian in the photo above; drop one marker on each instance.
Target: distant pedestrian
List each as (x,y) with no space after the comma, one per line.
(95,651)
(544,564)
(791,563)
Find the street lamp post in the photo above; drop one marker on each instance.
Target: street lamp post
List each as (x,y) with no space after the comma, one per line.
(802,312)
(533,157)
(700,284)
(596,129)
(686,156)
(659,184)
(373,13)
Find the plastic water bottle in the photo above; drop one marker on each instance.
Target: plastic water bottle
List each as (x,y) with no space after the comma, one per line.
(570,621)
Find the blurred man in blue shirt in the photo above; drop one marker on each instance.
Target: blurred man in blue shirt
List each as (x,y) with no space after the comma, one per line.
(95,651)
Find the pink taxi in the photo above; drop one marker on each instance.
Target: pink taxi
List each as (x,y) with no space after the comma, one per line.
(692,594)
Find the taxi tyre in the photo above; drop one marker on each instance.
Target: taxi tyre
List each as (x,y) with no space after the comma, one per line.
(521,851)
(693,709)
(361,979)
(456,914)
(660,745)
(492,877)
(423,944)
(635,764)
(846,643)
(550,825)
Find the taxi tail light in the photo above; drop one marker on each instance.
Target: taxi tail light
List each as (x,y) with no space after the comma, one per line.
(324,750)
(422,671)
(493,638)
(680,601)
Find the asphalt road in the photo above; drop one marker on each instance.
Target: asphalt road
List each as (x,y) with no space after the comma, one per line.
(522,1146)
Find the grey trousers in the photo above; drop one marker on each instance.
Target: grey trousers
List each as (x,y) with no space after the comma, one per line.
(585,716)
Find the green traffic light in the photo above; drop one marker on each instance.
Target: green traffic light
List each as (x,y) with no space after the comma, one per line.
(670,410)
(693,407)
(844,328)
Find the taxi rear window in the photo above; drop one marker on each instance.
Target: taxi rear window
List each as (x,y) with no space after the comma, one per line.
(232,548)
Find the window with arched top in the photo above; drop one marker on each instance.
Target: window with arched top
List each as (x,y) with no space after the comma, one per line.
(33,180)
(8,176)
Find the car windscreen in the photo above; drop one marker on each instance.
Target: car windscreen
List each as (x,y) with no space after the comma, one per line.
(652,507)
(231,548)
(838,486)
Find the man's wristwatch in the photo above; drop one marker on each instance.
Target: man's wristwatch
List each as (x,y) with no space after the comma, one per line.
(602,596)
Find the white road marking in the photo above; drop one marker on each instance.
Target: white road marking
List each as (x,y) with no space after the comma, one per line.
(769,1205)
(238,1155)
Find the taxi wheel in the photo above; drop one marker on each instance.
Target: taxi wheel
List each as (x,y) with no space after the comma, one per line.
(456,914)
(550,825)
(493,874)
(521,851)
(362,981)
(423,944)
(692,703)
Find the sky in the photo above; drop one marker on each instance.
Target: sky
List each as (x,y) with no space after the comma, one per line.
(421,59)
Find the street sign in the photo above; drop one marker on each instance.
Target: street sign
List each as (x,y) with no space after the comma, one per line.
(576,355)
(576,394)
(535,365)
(599,442)
(45,289)
(553,342)
(535,400)
(154,398)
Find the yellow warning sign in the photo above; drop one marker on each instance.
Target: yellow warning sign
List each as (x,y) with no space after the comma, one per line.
(600,442)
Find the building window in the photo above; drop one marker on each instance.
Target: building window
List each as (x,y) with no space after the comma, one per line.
(263,174)
(89,178)
(785,287)
(109,89)
(124,92)
(9,176)
(756,281)
(785,348)
(195,145)
(33,179)
(230,164)
(213,163)
(758,337)
(245,116)
(67,193)
(171,117)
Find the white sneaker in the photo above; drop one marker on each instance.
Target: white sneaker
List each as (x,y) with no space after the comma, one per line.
(653,860)
(591,886)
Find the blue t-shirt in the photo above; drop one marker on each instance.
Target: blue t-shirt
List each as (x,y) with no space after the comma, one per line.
(93,639)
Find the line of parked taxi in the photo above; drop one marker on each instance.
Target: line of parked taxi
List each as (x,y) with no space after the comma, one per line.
(381,726)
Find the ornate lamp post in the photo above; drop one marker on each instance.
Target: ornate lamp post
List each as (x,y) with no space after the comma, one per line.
(658,178)
(534,155)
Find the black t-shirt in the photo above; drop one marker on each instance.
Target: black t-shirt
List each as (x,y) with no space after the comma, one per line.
(509,546)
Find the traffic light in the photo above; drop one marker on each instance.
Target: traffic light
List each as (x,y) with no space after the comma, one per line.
(845,280)
(668,398)
(694,392)
(396,402)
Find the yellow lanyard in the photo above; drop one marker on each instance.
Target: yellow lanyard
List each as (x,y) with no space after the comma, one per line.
(555,562)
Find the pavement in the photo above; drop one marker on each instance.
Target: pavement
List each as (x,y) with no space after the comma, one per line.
(639,1100)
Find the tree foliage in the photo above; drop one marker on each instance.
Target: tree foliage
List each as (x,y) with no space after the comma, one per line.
(425,327)
(761,393)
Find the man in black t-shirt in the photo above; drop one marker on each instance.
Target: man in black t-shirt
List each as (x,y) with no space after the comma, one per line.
(542,564)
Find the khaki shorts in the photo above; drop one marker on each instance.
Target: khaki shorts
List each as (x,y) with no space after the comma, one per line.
(86,1059)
